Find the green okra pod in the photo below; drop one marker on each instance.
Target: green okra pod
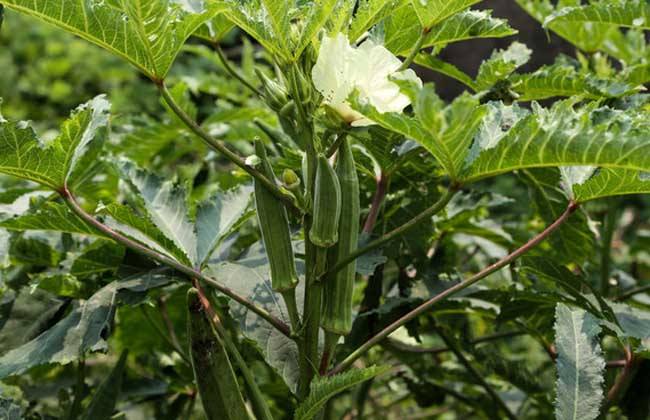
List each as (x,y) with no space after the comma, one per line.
(337,296)
(274,224)
(327,206)
(215,378)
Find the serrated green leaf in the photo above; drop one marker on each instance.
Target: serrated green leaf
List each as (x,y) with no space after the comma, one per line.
(565,135)
(99,257)
(402,29)
(215,29)
(147,33)
(320,12)
(628,13)
(580,364)
(216,217)
(588,36)
(368,13)
(166,204)
(574,241)
(24,156)
(609,182)
(140,228)
(445,132)
(105,398)
(430,62)
(80,331)
(50,216)
(60,284)
(326,387)
(564,80)
(280,352)
(502,64)
(431,12)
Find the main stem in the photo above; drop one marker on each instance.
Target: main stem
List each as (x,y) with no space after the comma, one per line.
(221,148)
(571,208)
(72,203)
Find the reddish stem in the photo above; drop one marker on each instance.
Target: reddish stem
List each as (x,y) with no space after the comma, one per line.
(377,201)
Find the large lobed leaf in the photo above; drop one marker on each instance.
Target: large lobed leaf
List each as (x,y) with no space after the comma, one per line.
(82,330)
(23,154)
(563,135)
(580,364)
(147,33)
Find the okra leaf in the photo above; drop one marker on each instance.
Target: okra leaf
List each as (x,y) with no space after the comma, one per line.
(563,135)
(369,12)
(573,242)
(502,64)
(250,276)
(166,205)
(589,36)
(580,364)
(217,216)
(50,216)
(446,132)
(608,182)
(325,387)
(147,33)
(105,398)
(402,29)
(627,13)
(9,410)
(51,164)
(215,29)
(83,329)
(433,11)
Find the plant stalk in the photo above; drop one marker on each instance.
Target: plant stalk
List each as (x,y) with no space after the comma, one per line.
(217,145)
(571,208)
(72,203)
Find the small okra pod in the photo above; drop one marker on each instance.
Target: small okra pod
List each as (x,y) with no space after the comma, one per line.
(338,290)
(274,224)
(327,206)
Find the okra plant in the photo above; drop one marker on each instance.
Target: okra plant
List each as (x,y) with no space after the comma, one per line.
(305,229)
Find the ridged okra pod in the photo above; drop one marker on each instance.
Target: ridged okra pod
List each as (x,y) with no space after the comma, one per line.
(337,297)
(327,206)
(215,378)
(274,224)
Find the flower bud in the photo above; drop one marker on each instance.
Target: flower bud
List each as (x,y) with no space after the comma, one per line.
(274,94)
(290,179)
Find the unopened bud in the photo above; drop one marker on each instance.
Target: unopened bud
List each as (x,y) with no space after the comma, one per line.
(290,179)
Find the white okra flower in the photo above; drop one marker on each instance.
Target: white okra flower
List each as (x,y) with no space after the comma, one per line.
(341,68)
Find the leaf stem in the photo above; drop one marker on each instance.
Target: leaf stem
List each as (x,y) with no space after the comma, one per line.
(623,379)
(230,69)
(434,209)
(377,201)
(437,350)
(609,226)
(631,292)
(72,203)
(571,208)
(217,145)
(414,52)
(476,374)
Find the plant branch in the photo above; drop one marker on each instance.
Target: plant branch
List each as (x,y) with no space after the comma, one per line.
(477,375)
(623,379)
(631,292)
(234,73)
(220,147)
(414,52)
(377,201)
(571,208)
(72,203)
(437,350)
(434,209)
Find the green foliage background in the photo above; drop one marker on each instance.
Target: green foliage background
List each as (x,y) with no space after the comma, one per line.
(58,275)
